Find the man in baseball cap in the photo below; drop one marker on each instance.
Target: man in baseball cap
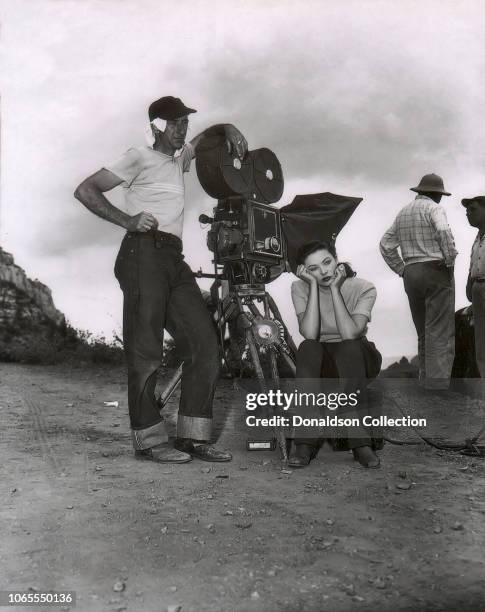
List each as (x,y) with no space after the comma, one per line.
(427,254)
(475,287)
(159,288)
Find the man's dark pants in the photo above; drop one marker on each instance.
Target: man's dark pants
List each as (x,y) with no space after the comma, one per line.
(431,293)
(160,292)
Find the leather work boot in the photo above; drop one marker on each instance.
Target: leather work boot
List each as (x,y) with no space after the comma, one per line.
(366,457)
(205,451)
(162,453)
(304,454)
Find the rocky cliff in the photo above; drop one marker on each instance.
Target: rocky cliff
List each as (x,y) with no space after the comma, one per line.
(24,304)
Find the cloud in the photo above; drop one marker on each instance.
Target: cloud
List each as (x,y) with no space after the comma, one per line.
(359,98)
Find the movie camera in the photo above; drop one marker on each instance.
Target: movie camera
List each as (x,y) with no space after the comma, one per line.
(246,229)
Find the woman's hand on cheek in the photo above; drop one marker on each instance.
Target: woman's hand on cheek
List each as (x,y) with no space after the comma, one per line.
(305,275)
(339,277)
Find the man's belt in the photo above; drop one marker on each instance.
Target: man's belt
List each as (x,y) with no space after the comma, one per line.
(158,236)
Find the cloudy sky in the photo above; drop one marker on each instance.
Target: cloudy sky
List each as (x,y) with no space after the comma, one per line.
(359,98)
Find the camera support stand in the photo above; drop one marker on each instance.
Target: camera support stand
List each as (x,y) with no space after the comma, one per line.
(264,335)
(266,338)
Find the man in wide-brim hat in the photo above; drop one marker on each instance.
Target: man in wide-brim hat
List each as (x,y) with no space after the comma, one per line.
(427,254)
(475,288)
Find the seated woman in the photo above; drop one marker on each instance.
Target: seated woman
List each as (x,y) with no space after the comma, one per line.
(333,308)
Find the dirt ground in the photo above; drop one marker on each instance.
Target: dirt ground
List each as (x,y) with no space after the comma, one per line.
(79,513)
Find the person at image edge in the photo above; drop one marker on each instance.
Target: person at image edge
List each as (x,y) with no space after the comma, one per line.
(475,289)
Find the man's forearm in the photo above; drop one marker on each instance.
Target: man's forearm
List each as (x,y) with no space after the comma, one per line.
(97,203)
(392,258)
(447,245)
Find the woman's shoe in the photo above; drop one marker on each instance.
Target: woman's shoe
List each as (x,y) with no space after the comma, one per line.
(304,454)
(366,457)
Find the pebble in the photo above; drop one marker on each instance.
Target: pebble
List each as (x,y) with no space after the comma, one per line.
(175,608)
(243,525)
(255,596)
(379,583)
(206,470)
(222,476)
(119,586)
(164,530)
(357,598)
(69,507)
(349,589)
(172,589)
(404,486)
(437,529)
(457,526)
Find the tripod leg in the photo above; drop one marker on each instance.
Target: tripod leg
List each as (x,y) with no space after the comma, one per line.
(277,315)
(170,388)
(255,359)
(279,432)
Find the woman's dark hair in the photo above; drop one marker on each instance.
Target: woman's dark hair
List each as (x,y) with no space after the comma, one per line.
(318,245)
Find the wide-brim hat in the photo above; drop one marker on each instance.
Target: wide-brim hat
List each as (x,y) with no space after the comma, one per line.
(169,109)
(480,199)
(431,183)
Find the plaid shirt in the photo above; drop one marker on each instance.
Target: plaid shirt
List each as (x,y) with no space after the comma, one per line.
(422,233)
(477,259)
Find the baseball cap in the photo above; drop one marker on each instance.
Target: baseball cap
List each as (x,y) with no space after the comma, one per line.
(466,201)
(168,108)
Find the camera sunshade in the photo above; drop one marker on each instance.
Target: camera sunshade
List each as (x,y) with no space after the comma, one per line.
(318,216)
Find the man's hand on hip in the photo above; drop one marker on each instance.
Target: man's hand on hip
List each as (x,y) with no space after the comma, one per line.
(143,222)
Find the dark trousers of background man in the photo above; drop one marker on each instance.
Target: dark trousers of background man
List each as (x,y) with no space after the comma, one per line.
(478,302)
(160,292)
(355,362)
(431,293)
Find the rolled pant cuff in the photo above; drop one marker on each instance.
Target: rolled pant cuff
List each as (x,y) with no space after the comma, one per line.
(149,437)
(196,428)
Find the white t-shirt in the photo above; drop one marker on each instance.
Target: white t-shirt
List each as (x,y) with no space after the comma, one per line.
(154,182)
(358,294)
